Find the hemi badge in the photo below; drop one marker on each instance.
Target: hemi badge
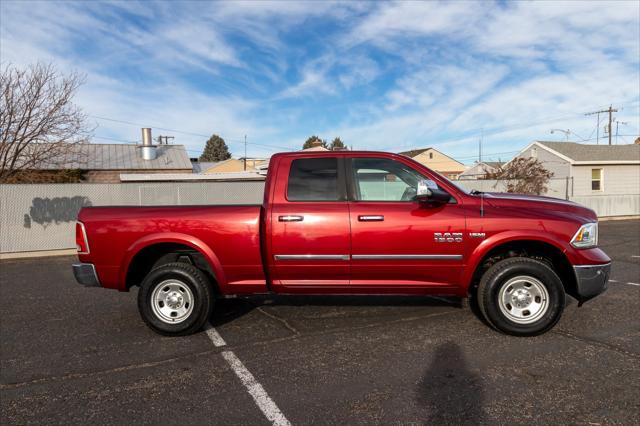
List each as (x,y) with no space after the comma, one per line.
(476,234)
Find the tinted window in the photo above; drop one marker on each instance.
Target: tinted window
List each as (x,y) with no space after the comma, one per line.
(313,179)
(381,179)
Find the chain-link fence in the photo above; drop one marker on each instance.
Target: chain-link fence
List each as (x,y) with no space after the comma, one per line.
(42,216)
(556,187)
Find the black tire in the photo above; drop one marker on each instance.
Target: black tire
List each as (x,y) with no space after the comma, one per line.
(517,270)
(187,281)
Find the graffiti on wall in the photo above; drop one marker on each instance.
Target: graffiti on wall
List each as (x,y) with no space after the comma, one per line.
(45,211)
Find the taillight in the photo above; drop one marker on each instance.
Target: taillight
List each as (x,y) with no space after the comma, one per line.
(82,245)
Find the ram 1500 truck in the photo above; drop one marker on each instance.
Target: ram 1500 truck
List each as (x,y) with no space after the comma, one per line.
(348,222)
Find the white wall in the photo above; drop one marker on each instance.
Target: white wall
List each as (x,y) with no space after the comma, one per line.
(621,179)
(551,162)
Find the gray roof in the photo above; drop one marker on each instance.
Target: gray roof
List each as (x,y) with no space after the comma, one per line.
(494,164)
(414,152)
(588,152)
(90,156)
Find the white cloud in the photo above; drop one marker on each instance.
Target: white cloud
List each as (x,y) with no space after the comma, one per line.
(401,74)
(399,20)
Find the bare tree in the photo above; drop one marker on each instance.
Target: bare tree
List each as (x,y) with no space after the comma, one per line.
(523,176)
(39,123)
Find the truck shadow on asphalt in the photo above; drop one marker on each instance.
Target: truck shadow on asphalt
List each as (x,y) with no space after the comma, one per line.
(227,310)
(449,392)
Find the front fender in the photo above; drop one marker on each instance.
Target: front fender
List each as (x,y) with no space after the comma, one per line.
(495,240)
(172,237)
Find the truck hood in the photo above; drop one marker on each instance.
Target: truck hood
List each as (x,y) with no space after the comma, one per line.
(541,203)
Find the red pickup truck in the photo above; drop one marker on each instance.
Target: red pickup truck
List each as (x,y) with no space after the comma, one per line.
(348,222)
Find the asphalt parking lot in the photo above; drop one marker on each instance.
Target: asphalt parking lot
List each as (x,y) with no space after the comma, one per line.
(74,355)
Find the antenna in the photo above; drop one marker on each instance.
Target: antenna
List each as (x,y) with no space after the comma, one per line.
(479,162)
(624,123)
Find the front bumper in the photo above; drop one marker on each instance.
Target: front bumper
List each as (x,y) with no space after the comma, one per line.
(591,280)
(85,274)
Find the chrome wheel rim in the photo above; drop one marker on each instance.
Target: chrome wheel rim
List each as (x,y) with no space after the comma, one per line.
(523,299)
(172,301)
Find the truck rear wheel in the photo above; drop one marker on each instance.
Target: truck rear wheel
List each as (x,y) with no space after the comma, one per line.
(521,296)
(175,299)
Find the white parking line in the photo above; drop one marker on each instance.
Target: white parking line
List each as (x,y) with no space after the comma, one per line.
(266,404)
(215,337)
(255,389)
(633,255)
(615,281)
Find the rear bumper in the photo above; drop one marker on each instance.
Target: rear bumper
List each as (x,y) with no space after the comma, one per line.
(591,280)
(85,274)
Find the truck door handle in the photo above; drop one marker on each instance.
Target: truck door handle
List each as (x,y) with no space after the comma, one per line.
(371,218)
(290,218)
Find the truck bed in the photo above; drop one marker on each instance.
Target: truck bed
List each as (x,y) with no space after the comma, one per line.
(232,232)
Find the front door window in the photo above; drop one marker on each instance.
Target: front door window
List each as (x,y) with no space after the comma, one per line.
(381,179)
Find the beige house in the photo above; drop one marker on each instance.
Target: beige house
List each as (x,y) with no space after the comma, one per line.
(231,165)
(437,161)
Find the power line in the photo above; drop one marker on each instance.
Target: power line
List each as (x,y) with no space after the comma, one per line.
(524,125)
(159,128)
(494,131)
(185,133)
(610,110)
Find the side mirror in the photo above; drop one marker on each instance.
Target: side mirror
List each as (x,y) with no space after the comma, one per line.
(427,193)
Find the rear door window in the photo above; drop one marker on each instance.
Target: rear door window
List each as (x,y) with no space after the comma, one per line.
(314,179)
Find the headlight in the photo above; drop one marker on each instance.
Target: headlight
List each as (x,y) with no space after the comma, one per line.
(587,236)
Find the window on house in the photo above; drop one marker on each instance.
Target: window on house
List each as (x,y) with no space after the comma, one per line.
(534,152)
(596,179)
(431,156)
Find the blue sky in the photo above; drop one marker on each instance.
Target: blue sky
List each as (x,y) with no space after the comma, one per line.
(383,76)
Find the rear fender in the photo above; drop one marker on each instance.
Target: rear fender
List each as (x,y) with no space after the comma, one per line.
(177,238)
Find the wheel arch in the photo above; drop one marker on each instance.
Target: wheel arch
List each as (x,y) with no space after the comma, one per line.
(536,247)
(145,253)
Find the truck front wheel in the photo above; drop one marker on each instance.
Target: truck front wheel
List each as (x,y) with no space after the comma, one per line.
(521,296)
(175,299)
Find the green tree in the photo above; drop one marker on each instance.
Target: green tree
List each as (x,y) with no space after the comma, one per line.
(311,141)
(336,144)
(215,150)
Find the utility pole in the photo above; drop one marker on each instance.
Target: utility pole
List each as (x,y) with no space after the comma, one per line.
(618,123)
(610,111)
(245,153)
(480,145)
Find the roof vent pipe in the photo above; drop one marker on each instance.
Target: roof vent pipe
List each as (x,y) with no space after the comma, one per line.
(148,149)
